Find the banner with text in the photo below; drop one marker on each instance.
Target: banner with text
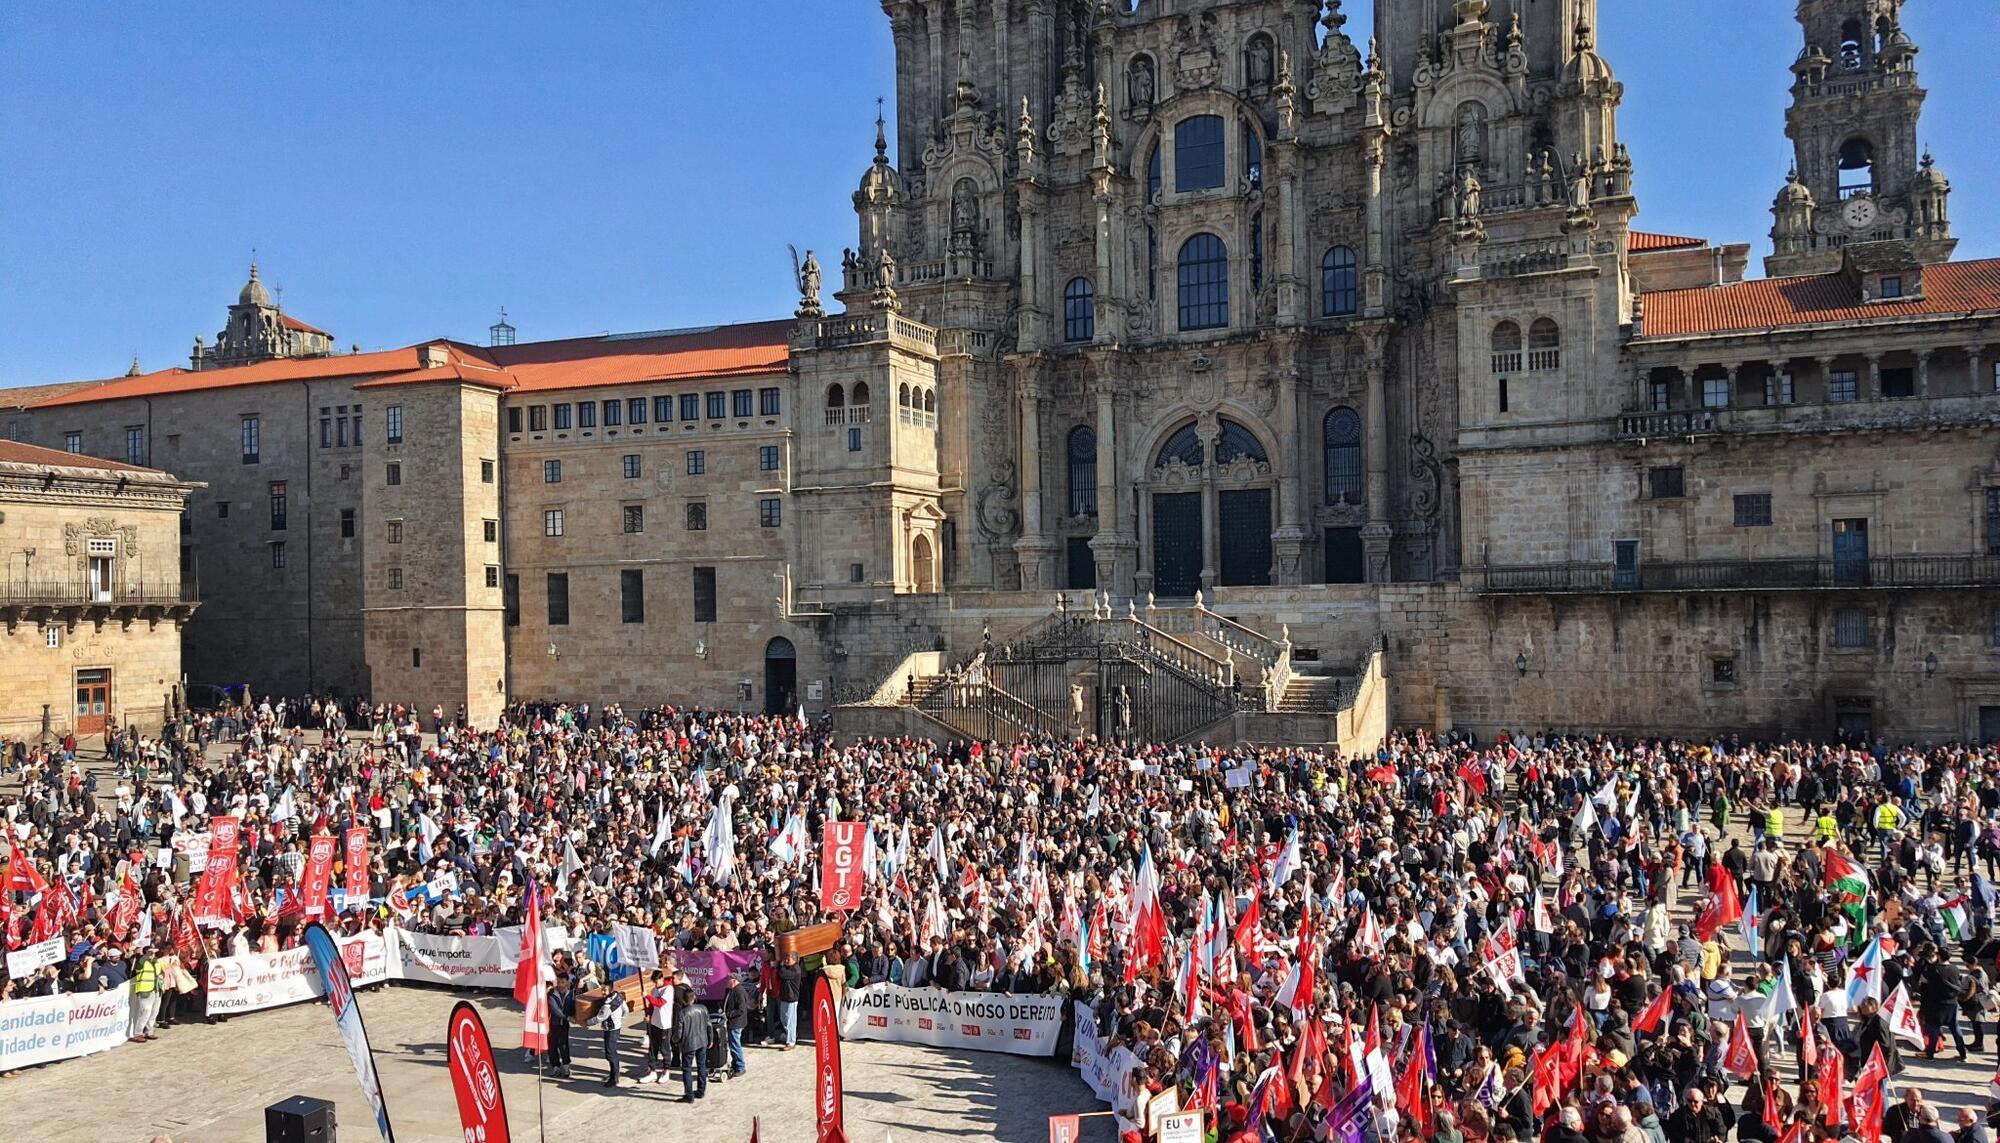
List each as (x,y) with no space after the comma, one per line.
(268,980)
(48,1028)
(464,962)
(707,972)
(983,1021)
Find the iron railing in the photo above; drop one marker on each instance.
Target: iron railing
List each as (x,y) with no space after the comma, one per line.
(82,594)
(1910,571)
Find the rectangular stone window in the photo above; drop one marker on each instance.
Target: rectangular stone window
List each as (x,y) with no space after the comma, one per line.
(491,530)
(768,402)
(630,464)
(552,522)
(52,636)
(73,442)
(1842,385)
(395,531)
(552,472)
(253,441)
(326,432)
(492,576)
(635,518)
(278,554)
(663,409)
(538,418)
(718,406)
(346,470)
(690,406)
(485,472)
(697,516)
(854,439)
(1779,389)
(1198,153)
(342,423)
(1722,671)
(1715,393)
(393,474)
(1892,286)
(631,596)
(586,414)
(513,420)
(416,658)
(857,573)
(1993,521)
(740,402)
(510,600)
(558,599)
(395,579)
(770,512)
(767,458)
(1753,509)
(135,445)
(347,523)
(614,414)
(222,509)
(280,506)
(1666,482)
(697,462)
(704,595)
(1993,628)
(635,411)
(1850,628)
(393,422)
(1899,382)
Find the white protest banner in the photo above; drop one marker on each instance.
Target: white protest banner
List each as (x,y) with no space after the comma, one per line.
(268,980)
(48,1028)
(23,961)
(1181,1128)
(462,961)
(1237,779)
(637,946)
(984,1021)
(1089,1058)
(194,846)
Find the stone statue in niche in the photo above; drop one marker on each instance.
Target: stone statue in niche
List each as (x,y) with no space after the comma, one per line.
(1471,135)
(1141,85)
(1258,63)
(964,207)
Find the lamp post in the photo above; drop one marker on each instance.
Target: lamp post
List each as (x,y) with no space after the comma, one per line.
(1521,664)
(1930,664)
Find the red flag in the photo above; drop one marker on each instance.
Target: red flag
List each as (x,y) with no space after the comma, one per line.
(1654,1017)
(756,1129)
(1741,1056)
(318,878)
(125,914)
(1247,928)
(1309,1061)
(22,876)
(1796,1133)
(1574,1047)
(1771,1117)
(530,978)
(1865,1108)
(475,1080)
(1832,1080)
(1412,1087)
(1723,906)
(1548,1080)
(356,867)
(841,873)
(1063,1129)
(827,1097)
(1808,1037)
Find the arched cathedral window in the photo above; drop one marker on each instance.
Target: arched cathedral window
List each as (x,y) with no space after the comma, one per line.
(1339,285)
(1079,310)
(1204,283)
(1341,437)
(1082,471)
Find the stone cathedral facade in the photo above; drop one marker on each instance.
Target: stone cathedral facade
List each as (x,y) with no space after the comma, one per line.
(1200,368)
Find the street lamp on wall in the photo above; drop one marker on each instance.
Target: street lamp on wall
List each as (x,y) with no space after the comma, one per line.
(1930,664)
(1521,664)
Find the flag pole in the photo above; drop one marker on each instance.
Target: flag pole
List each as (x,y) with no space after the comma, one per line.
(541,1126)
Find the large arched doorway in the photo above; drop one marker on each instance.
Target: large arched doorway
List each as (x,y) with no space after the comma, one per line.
(1211,509)
(781,676)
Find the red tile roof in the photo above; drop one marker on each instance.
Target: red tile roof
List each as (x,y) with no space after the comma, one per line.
(294,323)
(26,395)
(1646,242)
(1823,299)
(169,381)
(716,351)
(14,452)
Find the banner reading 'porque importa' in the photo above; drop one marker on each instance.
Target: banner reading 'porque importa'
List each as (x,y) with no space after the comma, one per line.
(984,1021)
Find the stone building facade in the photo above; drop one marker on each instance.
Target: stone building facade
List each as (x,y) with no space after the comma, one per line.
(94,599)
(1294,362)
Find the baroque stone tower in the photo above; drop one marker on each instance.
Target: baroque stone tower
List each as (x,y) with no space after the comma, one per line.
(1218,295)
(1853,124)
(258,330)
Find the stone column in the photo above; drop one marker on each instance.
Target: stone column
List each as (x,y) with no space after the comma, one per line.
(1874,376)
(1036,549)
(1975,357)
(1112,548)
(1110,308)
(1291,305)
(1372,269)
(1825,377)
(1377,534)
(1030,321)
(1211,510)
(1288,542)
(1923,372)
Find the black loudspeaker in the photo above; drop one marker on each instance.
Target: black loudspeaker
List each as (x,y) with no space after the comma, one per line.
(300,1119)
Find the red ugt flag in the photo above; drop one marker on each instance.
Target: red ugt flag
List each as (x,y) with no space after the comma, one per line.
(319,875)
(840,872)
(357,867)
(827,1095)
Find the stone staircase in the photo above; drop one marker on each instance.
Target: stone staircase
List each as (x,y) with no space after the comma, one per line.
(1314,694)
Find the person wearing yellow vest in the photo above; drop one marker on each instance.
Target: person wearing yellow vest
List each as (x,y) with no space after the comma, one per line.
(1774,823)
(145,994)
(1826,829)
(1888,818)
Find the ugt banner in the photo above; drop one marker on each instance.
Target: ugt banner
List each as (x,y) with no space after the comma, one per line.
(356,863)
(347,1018)
(482,1107)
(840,872)
(318,876)
(827,1098)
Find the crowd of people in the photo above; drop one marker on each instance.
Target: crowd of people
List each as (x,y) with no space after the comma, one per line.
(1567,938)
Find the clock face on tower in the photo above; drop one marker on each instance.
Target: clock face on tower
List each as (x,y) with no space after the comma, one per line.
(1859,212)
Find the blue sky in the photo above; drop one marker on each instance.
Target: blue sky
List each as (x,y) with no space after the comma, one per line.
(404,170)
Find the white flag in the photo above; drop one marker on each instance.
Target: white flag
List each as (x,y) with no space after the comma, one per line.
(660,830)
(1902,1016)
(571,864)
(719,844)
(939,859)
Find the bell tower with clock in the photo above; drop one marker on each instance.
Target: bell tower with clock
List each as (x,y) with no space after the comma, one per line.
(1853,125)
